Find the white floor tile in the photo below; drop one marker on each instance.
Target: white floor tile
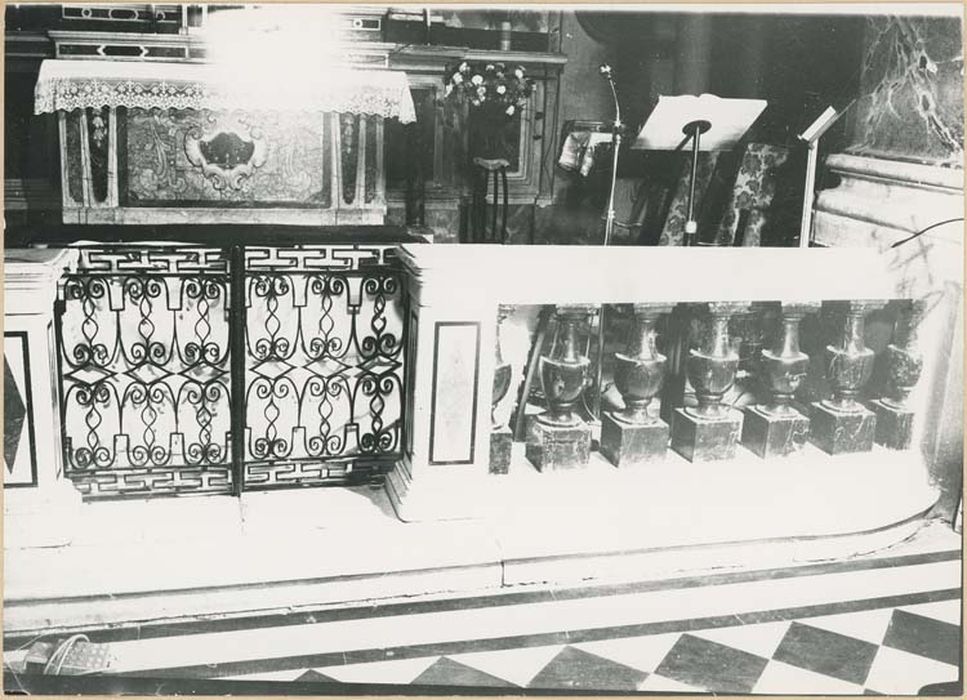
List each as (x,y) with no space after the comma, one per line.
(761,639)
(896,672)
(868,625)
(642,653)
(267,676)
(396,672)
(660,684)
(515,665)
(780,678)
(943,610)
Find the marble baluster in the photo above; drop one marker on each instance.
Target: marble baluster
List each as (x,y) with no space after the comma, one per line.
(904,360)
(710,430)
(777,428)
(633,436)
(560,439)
(501,438)
(841,424)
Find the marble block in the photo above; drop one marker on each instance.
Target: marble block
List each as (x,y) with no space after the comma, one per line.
(501,441)
(554,447)
(838,432)
(626,444)
(769,435)
(894,426)
(703,440)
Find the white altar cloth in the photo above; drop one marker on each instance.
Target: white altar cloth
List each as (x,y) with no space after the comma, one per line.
(76,84)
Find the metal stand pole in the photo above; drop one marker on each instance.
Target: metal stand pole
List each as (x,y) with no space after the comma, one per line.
(608,230)
(695,130)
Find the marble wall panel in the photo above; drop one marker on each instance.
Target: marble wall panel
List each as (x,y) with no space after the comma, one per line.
(911,103)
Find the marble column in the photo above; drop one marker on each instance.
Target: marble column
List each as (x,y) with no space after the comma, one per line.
(710,430)
(842,424)
(40,505)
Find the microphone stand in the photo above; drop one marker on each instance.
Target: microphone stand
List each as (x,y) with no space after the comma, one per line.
(608,228)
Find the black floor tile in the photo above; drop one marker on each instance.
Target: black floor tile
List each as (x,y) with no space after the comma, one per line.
(580,670)
(446,671)
(828,653)
(924,636)
(715,667)
(311,676)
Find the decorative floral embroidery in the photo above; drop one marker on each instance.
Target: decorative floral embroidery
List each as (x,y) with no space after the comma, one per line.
(754,190)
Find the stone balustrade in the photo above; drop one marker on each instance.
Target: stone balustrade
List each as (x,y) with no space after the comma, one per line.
(711,356)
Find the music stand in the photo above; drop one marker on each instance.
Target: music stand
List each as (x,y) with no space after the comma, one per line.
(711,123)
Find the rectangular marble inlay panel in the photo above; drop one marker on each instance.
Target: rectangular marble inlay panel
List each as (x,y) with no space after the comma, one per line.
(19,449)
(456,356)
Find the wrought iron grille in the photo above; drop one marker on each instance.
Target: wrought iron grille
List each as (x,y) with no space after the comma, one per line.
(169,386)
(323,363)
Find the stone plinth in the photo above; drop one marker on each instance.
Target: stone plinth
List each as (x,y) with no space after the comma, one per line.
(774,434)
(626,444)
(840,432)
(704,439)
(501,440)
(894,425)
(552,447)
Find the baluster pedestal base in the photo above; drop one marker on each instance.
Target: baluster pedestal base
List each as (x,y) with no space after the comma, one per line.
(705,440)
(773,435)
(501,440)
(894,426)
(550,448)
(837,432)
(626,444)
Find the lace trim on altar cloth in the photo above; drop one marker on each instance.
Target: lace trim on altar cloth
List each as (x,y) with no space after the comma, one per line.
(70,85)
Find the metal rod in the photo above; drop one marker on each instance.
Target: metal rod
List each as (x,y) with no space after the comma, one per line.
(608,230)
(493,219)
(691,226)
(236,339)
(805,228)
(503,226)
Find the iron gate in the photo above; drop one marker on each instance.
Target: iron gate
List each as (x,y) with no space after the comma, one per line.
(168,385)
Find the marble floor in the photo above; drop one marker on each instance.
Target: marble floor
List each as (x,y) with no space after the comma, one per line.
(885,626)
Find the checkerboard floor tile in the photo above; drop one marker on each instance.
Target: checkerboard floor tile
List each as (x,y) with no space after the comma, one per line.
(888,651)
(889,630)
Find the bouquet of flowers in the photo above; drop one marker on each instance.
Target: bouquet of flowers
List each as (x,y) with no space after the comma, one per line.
(492,88)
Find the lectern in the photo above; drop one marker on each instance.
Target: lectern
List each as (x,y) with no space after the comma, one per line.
(710,123)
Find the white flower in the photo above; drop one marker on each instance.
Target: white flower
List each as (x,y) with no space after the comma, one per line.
(510,111)
(519,73)
(464,67)
(457,79)
(477,79)
(481,92)
(448,90)
(490,66)
(501,89)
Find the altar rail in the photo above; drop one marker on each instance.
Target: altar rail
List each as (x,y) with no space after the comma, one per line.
(170,385)
(708,356)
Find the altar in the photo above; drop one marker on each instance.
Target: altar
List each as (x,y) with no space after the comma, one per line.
(166,143)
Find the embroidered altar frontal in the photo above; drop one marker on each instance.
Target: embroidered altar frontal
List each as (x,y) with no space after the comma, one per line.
(174,143)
